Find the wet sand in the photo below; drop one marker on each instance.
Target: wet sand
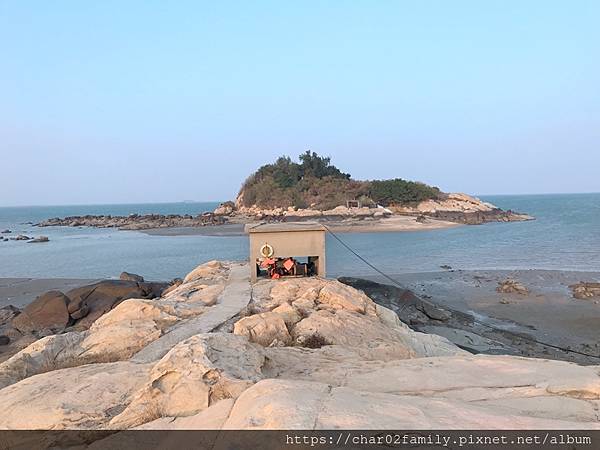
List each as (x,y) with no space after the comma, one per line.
(548,312)
(20,292)
(369,225)
(230,229)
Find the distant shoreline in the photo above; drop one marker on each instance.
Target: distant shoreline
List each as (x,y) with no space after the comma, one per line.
(390,224)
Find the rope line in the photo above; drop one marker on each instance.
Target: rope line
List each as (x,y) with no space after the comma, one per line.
(491,327)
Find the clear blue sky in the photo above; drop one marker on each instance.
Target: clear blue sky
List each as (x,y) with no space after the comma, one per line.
(125,101)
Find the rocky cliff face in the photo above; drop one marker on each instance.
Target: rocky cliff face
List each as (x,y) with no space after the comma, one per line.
(216,353)
(462,208)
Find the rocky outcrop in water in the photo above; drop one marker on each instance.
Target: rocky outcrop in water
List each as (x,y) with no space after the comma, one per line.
(38,240)
(462,208)
(135,221)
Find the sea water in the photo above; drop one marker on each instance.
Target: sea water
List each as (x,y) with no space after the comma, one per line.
(564,236)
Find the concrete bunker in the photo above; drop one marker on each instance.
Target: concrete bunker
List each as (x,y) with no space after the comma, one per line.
(286,249)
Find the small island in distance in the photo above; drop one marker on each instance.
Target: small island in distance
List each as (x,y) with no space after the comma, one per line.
(315,189)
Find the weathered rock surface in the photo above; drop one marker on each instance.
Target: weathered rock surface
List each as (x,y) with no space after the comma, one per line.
(85,397)
(265,329)
(131,277)
(209,270)
(193,375)
(84,305)
(284,404)
(369,371)
(462,208)
(511,286)
(47,312)
(294,312)
(116,336)
(585,291)
(212,418)
(224,209)
(120,333)
(88,303)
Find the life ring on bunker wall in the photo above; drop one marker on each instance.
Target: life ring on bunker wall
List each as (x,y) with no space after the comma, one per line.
(266,251)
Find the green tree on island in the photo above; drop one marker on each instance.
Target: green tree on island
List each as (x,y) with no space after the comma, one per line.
(315,182)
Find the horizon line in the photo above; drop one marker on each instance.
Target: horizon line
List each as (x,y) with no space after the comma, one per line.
(222,201)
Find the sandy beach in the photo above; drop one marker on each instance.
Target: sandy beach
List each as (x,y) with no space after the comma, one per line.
(395,223)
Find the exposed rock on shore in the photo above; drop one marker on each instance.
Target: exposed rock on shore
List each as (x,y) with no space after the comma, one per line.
(55,312)
(471,331)
(254,368)
(510,286)
(126,276)
(38,240)
(586,291)
(48,313)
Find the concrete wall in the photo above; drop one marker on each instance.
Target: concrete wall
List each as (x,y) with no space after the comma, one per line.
(286,244)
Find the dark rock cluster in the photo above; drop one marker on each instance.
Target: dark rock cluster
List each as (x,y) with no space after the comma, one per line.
(136,221)
(479,217)
(57,312)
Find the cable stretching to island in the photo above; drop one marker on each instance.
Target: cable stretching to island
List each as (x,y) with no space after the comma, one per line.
(491,327)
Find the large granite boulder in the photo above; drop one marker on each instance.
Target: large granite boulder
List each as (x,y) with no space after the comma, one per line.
(131,277)
(224,209)
(88,303)
(48,312)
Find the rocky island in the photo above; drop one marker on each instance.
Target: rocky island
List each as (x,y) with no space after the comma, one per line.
(214,352)
(314,189)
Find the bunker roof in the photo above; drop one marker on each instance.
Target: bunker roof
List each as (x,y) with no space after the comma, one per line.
(283,227)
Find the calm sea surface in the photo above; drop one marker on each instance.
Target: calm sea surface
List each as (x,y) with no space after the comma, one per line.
(566,235)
